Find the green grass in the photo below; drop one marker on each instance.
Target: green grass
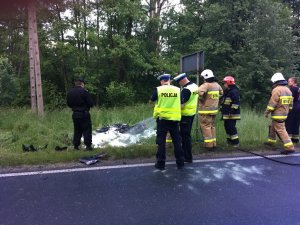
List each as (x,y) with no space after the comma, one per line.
(19,126)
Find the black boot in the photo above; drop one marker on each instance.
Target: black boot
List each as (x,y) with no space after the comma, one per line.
(160,165)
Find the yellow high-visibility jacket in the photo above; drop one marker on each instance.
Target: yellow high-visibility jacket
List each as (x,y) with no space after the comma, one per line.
(190,107)
(168,105)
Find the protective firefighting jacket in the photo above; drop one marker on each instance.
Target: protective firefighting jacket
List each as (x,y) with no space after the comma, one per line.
(280,103)
(168,105)
(190,107)
(230,106)
(209,95)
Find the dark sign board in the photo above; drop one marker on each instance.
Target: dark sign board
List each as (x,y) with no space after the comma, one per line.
(192,62)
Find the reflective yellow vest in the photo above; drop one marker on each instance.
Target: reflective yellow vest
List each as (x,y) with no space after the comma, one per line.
(190,107)
(168,106)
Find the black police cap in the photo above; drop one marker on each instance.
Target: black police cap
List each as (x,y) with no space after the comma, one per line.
(79,79)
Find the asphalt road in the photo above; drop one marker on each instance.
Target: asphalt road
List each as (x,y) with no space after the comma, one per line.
(228,191)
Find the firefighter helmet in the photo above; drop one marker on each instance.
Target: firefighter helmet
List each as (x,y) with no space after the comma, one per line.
(277,77)
(207,74)
(229,80)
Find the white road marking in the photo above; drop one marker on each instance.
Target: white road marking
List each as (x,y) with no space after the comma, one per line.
(41,172)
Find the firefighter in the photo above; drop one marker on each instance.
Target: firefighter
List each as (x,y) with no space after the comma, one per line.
(80,101)
(189,101)
(230,108)
(209,94)
(279,104)
(167,112)
(293,120)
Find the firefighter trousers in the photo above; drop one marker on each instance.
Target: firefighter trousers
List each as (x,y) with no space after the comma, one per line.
(231,131)
(278,128)
(292,124)
(207,125)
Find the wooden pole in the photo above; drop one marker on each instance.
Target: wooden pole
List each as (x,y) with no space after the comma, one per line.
(35,58)
(31,61)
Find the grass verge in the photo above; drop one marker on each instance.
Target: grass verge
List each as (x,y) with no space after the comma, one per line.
(19,126)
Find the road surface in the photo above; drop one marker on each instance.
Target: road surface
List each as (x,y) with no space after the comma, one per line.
(248,190)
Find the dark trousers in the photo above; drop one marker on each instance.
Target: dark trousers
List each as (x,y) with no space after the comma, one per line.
(82,126)
(231,131)
(163,126)
(185,125)
(292,125)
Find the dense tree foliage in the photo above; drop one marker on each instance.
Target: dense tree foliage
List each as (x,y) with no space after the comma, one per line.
(120,46)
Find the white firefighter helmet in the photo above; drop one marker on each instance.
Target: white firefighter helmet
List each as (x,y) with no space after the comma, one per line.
(277,77)
(207,74)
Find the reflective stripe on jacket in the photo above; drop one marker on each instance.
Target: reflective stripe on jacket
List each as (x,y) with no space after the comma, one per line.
(190,107)
(230,106)
(280,103)
(209,95)
(168,106)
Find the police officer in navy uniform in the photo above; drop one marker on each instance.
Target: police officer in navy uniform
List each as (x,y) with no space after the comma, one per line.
(80,101)
(293,120)
(189,101)
(167,112)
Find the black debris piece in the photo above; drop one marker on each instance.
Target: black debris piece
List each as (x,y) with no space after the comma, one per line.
(90,160)
(25,148)
(102,129)
(59,149)
(31,148)
(121,127)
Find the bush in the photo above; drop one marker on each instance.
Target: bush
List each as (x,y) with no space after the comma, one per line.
(7,83)
(54,99)
(120,94)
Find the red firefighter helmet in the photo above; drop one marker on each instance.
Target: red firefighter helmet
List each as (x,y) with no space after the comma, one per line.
(229,80)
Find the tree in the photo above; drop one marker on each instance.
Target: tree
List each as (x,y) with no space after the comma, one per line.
(268,49)
(7,83)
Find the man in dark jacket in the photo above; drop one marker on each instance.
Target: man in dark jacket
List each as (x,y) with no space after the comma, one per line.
(293,120)
(189,101)
(80,101)
(230,108)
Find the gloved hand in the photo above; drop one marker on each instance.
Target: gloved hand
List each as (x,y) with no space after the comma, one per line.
(266,113)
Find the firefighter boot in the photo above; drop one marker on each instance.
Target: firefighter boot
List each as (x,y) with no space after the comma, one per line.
(288,150)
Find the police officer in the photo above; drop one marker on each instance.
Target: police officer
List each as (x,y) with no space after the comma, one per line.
(209,94)
(279,104)
(189,101)
(230,108)
(293,120)
(167,112)
(80,101)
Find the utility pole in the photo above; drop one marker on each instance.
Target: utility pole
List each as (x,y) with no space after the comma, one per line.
(37,103)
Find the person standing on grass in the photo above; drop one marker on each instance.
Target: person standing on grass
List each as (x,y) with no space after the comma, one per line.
(279,104)
(230,108)
(167,112)
(189,101)
(210,93)
(80,101)
(292,122)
